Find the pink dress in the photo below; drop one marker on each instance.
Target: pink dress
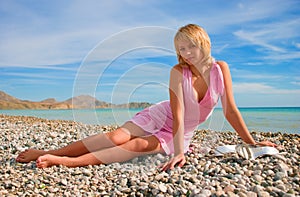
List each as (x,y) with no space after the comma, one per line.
(157,119)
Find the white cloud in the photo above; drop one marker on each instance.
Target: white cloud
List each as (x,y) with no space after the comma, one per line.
(273,32)
(71,30)
(257,38)
(296,83)
(60,32)
(292,55)
(297,45)
(142,42)
(260,88)
(54,76)
(225,16)
(275,38)
(249,76)
(221,48)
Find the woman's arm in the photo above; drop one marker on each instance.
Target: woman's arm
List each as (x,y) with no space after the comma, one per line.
(177,107)
(230,109)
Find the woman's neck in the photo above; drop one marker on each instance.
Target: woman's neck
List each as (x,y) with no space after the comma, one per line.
(200,70)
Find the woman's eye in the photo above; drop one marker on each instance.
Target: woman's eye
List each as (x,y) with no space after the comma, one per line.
(181,49)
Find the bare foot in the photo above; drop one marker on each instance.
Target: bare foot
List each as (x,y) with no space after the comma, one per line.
(29,155)
(48,161)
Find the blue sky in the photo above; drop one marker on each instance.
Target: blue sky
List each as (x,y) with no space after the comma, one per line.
(120,51)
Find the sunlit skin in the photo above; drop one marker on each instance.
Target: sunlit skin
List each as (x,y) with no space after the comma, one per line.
(122,144)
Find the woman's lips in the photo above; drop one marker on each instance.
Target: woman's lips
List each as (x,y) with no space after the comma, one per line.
(190,59)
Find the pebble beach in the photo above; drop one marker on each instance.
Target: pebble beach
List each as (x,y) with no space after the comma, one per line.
(202,175)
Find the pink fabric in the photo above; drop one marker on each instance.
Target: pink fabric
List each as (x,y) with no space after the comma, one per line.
(157,119)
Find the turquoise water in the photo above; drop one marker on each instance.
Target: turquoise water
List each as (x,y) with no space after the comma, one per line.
(283,119)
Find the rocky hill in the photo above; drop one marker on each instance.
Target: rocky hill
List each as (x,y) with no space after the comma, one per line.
(78,102)
(86,101)
(10,102)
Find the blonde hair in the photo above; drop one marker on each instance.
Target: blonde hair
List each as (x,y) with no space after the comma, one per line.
(198,36)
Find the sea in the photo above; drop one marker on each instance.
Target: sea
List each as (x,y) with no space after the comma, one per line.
(262,119)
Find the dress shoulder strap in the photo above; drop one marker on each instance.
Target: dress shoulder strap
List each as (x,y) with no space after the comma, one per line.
(217,80)
(186,72)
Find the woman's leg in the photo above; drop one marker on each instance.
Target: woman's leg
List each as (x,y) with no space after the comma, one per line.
(90,144)
(131,149)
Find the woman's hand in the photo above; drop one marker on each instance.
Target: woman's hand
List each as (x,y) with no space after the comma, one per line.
(178,160)
(266,143)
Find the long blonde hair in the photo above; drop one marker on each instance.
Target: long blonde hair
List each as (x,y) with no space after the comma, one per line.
(198,36)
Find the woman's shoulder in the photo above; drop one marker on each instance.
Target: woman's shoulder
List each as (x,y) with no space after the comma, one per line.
(222,64)
(225,70)
(179,67)
(176,73)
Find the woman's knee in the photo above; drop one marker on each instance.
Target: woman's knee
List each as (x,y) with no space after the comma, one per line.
(118,136)
(144,145)
(133,129)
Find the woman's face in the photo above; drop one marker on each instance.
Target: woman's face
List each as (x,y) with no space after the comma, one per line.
(190,52)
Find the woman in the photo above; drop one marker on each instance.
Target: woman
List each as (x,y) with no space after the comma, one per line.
(196,84)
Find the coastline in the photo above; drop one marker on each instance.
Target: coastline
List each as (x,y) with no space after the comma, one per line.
(203,175)
(270,119)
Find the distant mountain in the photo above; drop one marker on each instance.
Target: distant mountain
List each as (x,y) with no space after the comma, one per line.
(8,98)
(10,102)
(86,101)
(133,105)
(49,100)
(78,102)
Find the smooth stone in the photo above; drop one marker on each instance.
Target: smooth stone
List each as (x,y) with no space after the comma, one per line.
(220,193)
(153,185)
(270,173)
(231,194)
(228,188)
(241,194)
(87,172)
(288,195)
(257,178)
(263,194)
(162,187)
(281,187)
(123,182)
(64,182)
(206,192)
(248,173)
(257,188)
(279,176)
(154,191)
